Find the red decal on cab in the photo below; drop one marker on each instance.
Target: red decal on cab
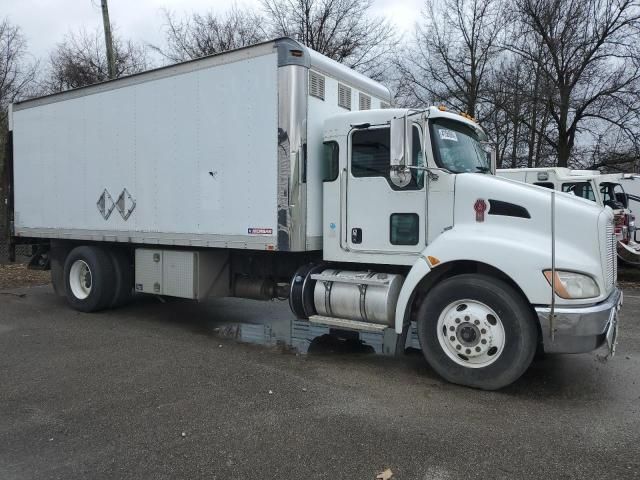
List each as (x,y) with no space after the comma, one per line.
(480,207)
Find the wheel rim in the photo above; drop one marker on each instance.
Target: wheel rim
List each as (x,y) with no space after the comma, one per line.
(471,333)
(80,279)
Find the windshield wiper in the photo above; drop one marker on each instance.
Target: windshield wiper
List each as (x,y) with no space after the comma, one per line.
(483,169)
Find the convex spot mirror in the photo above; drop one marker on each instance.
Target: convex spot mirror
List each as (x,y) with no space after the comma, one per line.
(401,142)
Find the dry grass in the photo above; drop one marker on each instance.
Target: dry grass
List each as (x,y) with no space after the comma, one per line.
(16,275)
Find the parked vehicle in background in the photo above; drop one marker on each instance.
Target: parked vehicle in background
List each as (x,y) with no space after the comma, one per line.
(631,184)
(273,172)
(605,190)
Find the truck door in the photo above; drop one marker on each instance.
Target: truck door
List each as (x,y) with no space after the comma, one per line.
(381,217)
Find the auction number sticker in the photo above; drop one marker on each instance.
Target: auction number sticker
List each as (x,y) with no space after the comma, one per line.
(448,135)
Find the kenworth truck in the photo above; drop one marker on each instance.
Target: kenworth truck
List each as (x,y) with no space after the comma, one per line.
(273,172)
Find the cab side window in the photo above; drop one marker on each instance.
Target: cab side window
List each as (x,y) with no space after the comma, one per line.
(371,155)
(580,189)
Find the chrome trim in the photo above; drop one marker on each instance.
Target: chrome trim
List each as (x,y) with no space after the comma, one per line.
(292,136)
(578,329)
(153,238)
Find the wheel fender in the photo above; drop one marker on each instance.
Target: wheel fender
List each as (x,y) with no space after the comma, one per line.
(419,270)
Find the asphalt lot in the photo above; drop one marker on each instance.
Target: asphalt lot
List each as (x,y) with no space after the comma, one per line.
(149,391)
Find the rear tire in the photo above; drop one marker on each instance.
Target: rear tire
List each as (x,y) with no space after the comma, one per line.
(58,254)
(57,277)
(89,278)
(123,272)
(477,331)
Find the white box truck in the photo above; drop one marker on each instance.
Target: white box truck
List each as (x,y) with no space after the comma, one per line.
(274,172)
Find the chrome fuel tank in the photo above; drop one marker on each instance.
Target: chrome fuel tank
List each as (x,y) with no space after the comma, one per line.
(363,296)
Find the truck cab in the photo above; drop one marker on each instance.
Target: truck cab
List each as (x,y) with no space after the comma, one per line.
(605,190)
(410,194)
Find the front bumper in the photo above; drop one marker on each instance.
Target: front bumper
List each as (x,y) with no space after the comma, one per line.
(581,329)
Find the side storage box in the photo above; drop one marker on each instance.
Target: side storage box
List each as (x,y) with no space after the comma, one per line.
(180,273)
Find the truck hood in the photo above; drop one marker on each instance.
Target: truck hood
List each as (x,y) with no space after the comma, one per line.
(517,212)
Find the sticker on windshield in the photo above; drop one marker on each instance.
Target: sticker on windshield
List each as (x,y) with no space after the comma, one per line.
(448,135)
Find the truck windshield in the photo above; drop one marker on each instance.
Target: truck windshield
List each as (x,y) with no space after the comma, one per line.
(457,147)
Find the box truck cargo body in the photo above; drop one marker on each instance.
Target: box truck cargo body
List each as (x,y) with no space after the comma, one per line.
(273,172)
(155,158)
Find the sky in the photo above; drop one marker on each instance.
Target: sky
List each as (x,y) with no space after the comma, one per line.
(45,22)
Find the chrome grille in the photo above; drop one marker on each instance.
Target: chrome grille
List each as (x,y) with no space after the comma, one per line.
(612,264)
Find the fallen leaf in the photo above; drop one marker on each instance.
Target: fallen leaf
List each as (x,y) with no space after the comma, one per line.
(386,475)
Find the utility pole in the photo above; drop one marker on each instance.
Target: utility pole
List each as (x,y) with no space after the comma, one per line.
(111,61)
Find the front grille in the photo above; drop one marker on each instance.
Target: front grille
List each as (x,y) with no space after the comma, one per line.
(612,264)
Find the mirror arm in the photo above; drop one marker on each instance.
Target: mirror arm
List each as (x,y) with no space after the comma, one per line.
(429,170)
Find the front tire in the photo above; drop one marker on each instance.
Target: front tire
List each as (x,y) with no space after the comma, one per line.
(89,279)
(477,331)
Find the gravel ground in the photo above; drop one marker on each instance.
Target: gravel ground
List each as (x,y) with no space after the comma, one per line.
(14,275)
(147,391)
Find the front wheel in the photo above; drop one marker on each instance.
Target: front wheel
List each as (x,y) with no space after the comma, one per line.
(477,331)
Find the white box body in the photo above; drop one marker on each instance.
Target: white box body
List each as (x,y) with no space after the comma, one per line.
(208,153)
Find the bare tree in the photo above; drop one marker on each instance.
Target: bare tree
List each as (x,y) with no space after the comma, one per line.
(452,53)
(587,51)
(81,60)
(199,35)
(17,72)
(343,30)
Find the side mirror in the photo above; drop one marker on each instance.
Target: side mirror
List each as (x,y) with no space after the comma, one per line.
(401,143)
(490,149)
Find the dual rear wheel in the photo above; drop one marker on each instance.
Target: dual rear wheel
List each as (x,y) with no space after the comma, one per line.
(94,278)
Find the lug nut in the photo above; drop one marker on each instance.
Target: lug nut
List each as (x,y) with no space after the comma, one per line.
(453,339)
(458,347)
(457,320)
(483,331)
(477,349)
(466,318)
(483,341)
(477,322)
(468,350)
(453,329)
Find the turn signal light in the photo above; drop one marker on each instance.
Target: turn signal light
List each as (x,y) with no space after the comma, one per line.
(572,285)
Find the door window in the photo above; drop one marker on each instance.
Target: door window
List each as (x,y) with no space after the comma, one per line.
(404,228)
(371,156)
(613,195)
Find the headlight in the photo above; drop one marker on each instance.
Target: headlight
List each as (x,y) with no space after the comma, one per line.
(572,285)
